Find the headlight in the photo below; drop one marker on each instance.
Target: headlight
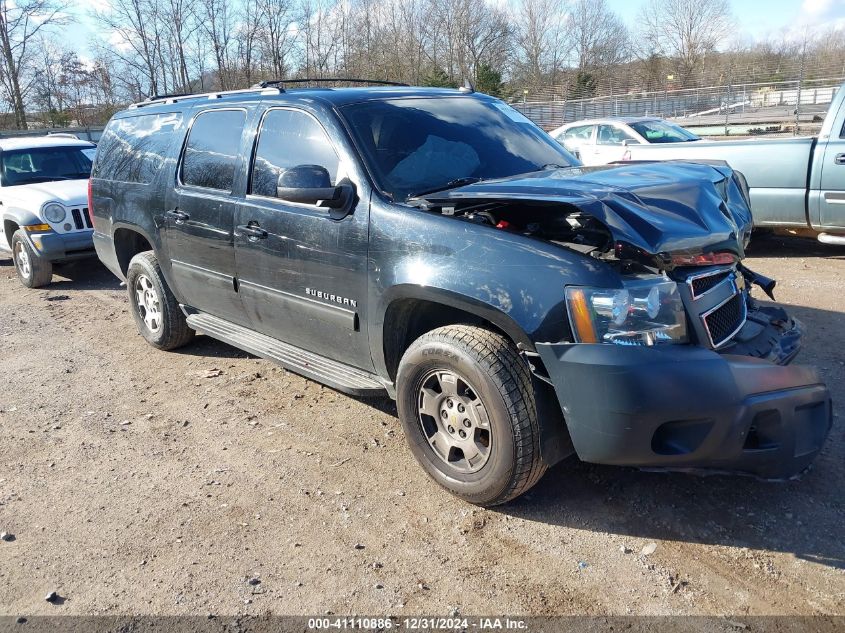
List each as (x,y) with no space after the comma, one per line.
(644,312)
(54,212)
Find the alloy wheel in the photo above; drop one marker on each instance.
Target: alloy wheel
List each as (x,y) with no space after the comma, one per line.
(454,421)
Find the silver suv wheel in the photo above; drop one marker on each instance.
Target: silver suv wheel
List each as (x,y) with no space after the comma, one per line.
(454,421)
(22,260)
(149,303)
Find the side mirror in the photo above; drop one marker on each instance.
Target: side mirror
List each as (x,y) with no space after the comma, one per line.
(626,142)
(311,184)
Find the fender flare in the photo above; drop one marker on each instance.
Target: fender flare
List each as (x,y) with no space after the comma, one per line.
(21,217)
(446,297)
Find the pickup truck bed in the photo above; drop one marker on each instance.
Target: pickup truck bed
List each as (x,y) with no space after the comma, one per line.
(777,171)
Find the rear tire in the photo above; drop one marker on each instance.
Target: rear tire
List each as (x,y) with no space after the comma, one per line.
(156,312)
(482,443)
(33,270)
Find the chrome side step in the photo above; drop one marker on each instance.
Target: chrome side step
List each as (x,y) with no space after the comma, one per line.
(830,238)
(324,370)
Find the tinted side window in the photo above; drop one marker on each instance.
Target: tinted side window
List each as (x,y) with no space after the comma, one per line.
(289,138)
(612,135)
(211,152)
(133,149)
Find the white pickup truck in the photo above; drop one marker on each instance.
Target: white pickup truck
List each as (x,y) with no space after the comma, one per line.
(44,204)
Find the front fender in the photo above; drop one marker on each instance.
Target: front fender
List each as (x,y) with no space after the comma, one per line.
(510,280)
(21,216)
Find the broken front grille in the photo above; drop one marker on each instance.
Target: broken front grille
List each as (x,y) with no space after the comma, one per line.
(704,283)
(725,320)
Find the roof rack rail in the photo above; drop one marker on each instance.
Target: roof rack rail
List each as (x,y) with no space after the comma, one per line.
(174,98)
(307,80)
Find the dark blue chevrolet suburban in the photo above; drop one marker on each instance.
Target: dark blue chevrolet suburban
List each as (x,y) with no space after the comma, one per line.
(435,246)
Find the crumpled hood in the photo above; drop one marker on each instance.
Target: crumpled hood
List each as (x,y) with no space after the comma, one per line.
(666,207)
(71,193)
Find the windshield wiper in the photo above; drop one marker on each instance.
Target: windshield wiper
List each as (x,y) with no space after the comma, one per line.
(452,184)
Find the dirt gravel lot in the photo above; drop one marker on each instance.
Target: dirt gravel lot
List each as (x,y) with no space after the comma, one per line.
(144,482)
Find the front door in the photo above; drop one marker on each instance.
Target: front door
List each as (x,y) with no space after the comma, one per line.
(200,215)
(302,275)
(609,145)
(832,195)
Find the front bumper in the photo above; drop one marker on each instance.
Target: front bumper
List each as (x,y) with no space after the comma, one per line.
(686,407)
(63,246)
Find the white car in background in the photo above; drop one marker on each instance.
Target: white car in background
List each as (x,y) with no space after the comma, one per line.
(44,204)
(602,141)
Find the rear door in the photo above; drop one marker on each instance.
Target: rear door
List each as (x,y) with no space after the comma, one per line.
(302,275)
(200,214)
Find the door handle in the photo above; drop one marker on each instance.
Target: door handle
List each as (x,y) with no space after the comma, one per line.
(253,231)
(178,216)
(839,159)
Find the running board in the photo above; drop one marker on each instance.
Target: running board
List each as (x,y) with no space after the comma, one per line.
(324,370)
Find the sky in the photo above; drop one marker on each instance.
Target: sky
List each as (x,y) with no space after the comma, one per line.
(755,19)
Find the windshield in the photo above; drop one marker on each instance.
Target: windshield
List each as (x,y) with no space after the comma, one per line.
(45,164)
(419,145)
(663,132)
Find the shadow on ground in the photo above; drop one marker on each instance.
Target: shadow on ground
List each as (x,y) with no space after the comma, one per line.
(771,245)
(803,517)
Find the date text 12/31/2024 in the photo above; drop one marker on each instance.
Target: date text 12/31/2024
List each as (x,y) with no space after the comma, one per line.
(418,624)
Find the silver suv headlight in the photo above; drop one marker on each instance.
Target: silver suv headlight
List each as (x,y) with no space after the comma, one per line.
(647,311)
(54,212)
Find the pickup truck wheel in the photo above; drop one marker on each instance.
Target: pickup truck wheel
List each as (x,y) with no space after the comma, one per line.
(157,314)
(467,407)
(33,270)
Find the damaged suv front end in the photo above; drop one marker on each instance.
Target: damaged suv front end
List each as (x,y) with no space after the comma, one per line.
(675,365)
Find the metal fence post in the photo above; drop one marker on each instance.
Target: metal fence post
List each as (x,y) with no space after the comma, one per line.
(798,91)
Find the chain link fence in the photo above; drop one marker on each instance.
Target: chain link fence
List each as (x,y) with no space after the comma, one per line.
(740,109)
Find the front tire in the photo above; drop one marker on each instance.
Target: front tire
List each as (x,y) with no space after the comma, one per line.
(467,407)
(33,270)
(155,310)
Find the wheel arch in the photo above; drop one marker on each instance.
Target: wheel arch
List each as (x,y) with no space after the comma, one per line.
(411,311)
(14,218)
(129,240)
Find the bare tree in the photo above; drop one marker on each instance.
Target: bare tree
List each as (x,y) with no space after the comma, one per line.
(217,19)
(275,19)
(136,42)
(599,36)
(21,21)
(685,30)
(541,40)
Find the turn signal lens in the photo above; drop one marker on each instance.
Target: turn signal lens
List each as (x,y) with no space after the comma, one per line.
(582,322)
(37,227)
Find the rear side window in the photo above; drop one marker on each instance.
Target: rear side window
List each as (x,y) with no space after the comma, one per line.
(211,152)
(133,149)
(289,138)
(582,133)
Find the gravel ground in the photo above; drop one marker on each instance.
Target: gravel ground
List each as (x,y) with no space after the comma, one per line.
(206,481)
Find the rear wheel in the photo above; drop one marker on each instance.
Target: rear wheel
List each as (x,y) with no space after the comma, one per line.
(467,408)
(155,310)
(33,270)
